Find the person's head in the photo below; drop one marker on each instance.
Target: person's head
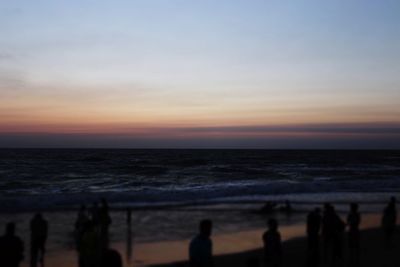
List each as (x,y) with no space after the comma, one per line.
(327,206)
(38,216)
(332,209)
(104,202)
(205,227)
(354,207)
(317,210)
(393,200)
(10,228)
(272,224)
(111,258)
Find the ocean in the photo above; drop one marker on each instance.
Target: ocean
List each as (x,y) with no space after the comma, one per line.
(33,179)
(170,191)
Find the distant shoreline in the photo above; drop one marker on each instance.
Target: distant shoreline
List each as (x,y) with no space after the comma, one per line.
(211,206)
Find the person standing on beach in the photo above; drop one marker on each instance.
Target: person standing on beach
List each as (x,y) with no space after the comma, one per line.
(105,222)
(11,248)
(272,245)
(39,229)
(313,228)
(89,248)
(327,232)
(80,224)
(332,230)
(338,237)
(95,213)
(200,248)
(129,235)
(353,221)
(389,219)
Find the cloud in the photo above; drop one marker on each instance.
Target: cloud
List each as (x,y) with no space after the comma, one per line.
(329,128)
(5,56)
(11,80)
(313,136)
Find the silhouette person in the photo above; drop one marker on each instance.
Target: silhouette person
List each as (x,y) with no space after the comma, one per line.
(353,221)
(128,215)
(129,235)
(11,248)
(95,213)
(111,258)
(389,221)
(89,248)
(327,232)
(287,208)
(200,248)
(272,245)
(313,228)
(268,207)
(338,237)
(332,231)
(39,229)
(105,222)
(80,224)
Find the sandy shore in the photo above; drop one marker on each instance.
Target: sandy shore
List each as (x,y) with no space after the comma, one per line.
(373,253)
(231,249)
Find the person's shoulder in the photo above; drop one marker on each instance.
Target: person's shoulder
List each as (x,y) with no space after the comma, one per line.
(201,240)
(265,233)
(194,240)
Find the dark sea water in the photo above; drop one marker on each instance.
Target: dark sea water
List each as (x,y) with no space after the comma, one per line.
(61,178)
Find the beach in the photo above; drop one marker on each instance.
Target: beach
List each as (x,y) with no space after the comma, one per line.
(373,253)
(170,191)
(234,242)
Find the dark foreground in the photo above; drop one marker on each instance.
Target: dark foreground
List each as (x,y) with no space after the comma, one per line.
(373,253)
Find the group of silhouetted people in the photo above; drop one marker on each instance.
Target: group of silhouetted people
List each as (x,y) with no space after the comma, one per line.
(332,232)
(325,239)
(92,237)
(332,229)
(324,229)
(12,247)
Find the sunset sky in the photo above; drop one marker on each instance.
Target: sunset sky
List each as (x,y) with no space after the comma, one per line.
(200,74)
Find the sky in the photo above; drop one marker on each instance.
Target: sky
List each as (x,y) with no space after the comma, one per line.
(200,74)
